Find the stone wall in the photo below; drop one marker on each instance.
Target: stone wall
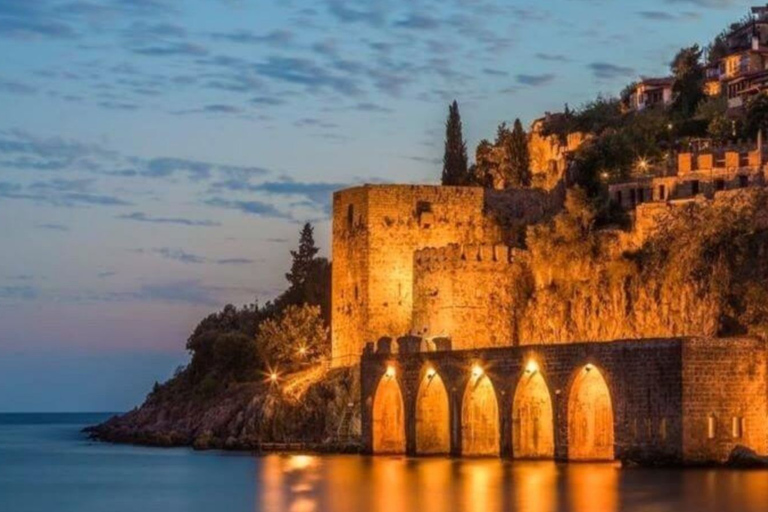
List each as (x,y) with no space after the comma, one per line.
(656,400)
(724,397)
(373,253)
(465,292)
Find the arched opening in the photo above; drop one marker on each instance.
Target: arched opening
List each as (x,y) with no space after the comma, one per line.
(532,425)
(480,418)
(433,429)
(388,417)
(590,417)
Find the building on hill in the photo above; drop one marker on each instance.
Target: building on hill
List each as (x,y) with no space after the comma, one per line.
(703,169)
(651,92)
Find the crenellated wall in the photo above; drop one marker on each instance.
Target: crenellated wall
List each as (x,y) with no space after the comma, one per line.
(465,292)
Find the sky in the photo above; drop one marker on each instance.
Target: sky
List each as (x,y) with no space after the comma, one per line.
(158,157)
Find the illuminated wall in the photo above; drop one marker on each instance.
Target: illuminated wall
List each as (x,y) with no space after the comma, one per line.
(432,416)
(376,230)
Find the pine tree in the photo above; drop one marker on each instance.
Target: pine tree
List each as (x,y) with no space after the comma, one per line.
(519,159)
(455,168)
(303,258)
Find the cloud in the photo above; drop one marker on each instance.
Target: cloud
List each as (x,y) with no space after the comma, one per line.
(52,227)
(607,71)
(535,80)
(668,16)
(372,107)
(418,21)
(185,292)
(318,194)
(307,73)
(715,4)
(143,217)
(106,274)
(58,198)
(20,88)
(31,20)
(234,261)
(172,49)
(351,11)
(20,292)
(258,208)
(275,37)
(494,72)
(552,57)
(178,255)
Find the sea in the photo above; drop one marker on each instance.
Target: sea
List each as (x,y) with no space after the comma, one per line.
(48,465)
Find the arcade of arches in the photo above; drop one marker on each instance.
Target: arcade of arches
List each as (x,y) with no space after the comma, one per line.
(590,417)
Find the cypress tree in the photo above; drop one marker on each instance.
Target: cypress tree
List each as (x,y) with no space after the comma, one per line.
(303,258)
(455,169)
(519,159)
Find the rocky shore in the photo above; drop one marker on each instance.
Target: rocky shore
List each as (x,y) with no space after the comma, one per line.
(313,410)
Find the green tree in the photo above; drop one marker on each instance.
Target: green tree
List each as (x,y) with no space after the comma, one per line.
(455,167)
(303,258)
(519,158)
(688,86)
(756,117)
(296,336)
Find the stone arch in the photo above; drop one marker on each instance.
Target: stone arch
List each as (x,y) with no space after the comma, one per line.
(433,421)
(590,417)
(479,418)
(388,417)
(533,434)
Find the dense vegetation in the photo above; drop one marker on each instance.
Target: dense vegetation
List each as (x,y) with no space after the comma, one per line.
(242,344)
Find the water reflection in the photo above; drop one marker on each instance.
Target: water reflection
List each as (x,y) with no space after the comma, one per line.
(305,483)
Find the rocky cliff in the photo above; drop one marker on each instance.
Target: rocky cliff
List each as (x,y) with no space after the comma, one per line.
(313,409)
(699,270)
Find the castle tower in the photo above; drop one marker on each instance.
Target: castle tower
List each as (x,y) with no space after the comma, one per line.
(376,230)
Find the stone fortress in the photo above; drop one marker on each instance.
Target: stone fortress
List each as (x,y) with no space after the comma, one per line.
(425,283)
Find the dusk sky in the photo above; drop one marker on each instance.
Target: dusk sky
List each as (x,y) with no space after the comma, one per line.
(158,157)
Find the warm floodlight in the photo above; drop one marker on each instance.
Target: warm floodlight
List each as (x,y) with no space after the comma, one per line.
(477,371)
(532,367)
(390,372)
(589,367)
(431,373)
(273,376)
(302,350)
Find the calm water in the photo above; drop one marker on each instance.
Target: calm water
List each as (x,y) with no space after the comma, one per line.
(47,465)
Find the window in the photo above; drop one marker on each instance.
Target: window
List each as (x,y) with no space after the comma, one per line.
(711,426)
(719,159)
(719,184)
(743,159)
(640,195)
(695,187)
(618,197)
(737,427)
(743,180)
(663,429)
(350,216)
(662,192)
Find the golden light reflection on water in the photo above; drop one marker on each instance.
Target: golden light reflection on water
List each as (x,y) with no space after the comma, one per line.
(306,483)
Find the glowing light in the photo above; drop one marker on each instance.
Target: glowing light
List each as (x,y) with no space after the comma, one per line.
(431,373)
(302,350)
(589,367)
(390,372)
(477,371)
(532,367)
(604,175)
(273,376)
(642,164)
